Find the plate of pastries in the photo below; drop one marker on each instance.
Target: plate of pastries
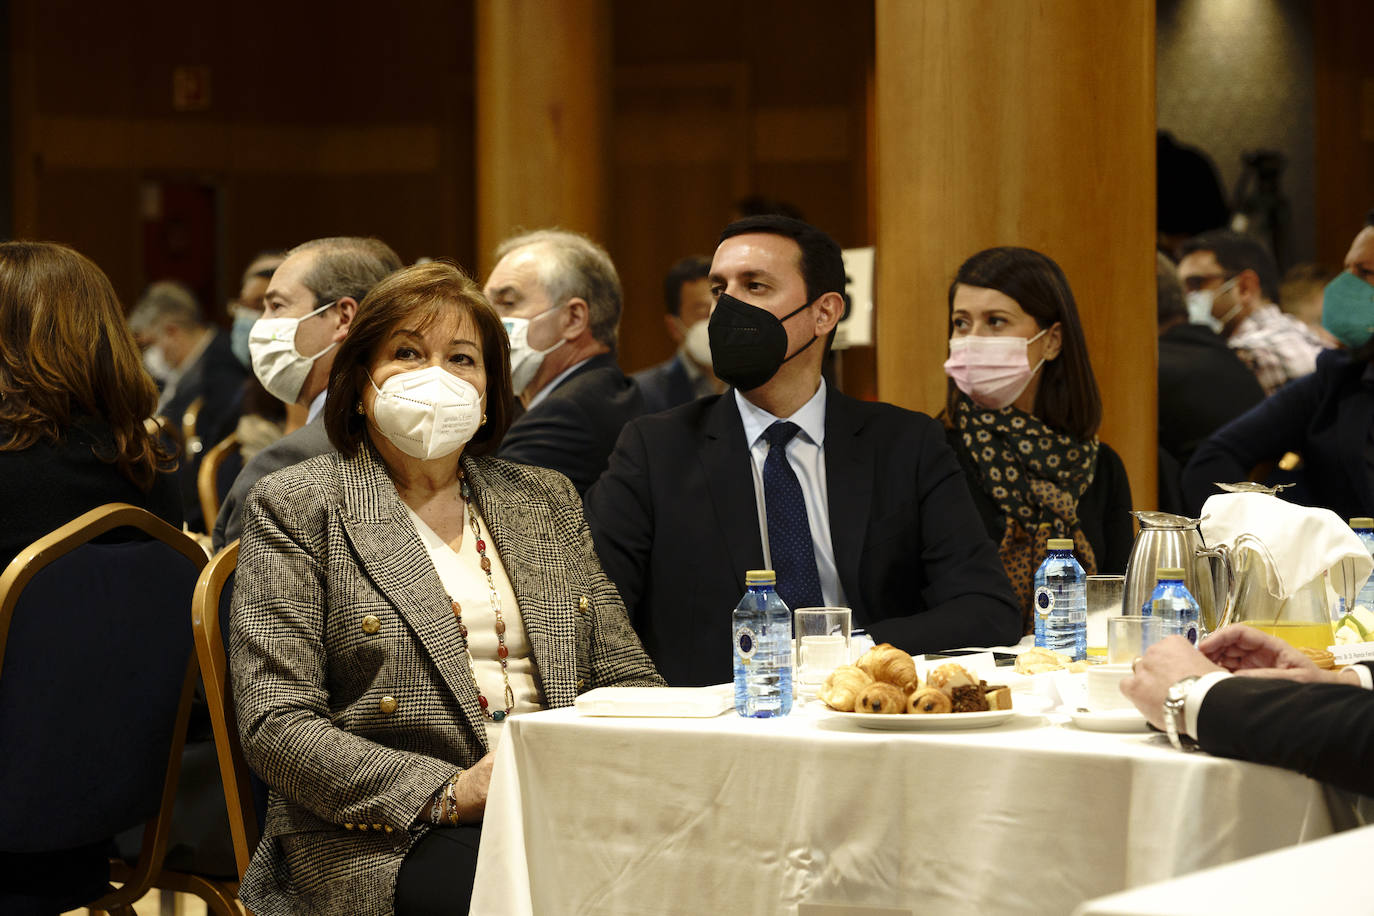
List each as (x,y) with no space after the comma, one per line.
(882,690)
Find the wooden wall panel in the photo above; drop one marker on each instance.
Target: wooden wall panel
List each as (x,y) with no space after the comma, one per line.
(1010,123)
(1345,123)
(312,125)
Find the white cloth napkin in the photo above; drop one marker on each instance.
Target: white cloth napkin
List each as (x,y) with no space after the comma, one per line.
(1303,541)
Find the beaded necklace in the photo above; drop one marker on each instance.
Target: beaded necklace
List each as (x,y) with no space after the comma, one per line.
(498,715)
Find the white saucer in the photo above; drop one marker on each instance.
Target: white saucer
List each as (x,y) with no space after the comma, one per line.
(1109,720)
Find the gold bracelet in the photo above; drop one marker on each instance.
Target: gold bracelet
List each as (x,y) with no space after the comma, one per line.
(451,800)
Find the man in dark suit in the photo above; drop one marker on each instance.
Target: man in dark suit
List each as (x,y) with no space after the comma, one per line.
(318,287)
(202,367)
(559,297)
(1283,710)
(1202,383)
(695,497)
(687,376)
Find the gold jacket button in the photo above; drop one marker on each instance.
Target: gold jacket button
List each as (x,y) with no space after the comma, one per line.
(362,827)
(581,682)
(387,705)
(376,826)
(388,828)
(371,624)
(348,826)
(583,603)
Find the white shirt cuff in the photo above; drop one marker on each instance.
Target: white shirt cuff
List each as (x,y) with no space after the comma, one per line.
(1192,703)
(1366,677)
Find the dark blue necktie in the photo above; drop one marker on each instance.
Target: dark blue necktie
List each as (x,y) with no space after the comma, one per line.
(789,534)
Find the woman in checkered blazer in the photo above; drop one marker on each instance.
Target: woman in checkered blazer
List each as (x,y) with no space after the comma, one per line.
(396,601)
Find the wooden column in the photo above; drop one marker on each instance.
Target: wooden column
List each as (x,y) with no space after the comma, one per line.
(1002,122)
(543,94)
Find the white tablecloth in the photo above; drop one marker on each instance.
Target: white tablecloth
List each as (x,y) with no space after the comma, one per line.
(731,815)
(1328,876)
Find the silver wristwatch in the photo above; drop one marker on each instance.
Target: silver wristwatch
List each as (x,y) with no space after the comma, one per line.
(1173,714)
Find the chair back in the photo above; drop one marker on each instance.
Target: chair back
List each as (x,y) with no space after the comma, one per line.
(244,794)
(96,679)
(216,474)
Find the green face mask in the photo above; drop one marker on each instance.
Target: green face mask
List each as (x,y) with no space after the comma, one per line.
(1348,310)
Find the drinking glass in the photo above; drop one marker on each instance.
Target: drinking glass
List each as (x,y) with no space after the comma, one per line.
(1130,636)
(822,635)
(1104,601)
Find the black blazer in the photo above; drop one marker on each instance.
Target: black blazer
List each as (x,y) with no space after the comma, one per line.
(665,386)
(1203,385)
(573,429)
(1326,417)
(676,527)
(217,375)
(1325,731)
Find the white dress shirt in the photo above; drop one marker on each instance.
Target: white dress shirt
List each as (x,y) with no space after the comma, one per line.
(316,406)
(553,383)
(806,455)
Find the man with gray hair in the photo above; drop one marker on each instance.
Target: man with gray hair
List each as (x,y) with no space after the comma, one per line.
(307,312)
(559,297)
(193,362)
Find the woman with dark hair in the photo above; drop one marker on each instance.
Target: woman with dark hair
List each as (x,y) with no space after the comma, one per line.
(396,601)
(74,398)
(1022,413)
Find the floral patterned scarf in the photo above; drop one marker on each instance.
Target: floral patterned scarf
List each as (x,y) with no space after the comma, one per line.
(1035,475)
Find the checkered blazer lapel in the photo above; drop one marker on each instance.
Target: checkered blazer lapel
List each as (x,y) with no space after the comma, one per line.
(398,563)
(533,551)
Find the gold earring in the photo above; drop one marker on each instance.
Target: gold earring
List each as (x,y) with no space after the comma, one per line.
(484,420)
(359,408)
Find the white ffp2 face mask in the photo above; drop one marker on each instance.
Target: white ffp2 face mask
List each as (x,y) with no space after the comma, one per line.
(427,413)
(1199,303)
(277,363)
(697,343)
(524,359)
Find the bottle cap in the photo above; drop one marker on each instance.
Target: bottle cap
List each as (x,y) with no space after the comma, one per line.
(760,577)
(1362,523)
(1168,572)
(1060,544)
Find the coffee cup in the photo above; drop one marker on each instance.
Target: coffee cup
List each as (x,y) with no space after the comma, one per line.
(1104,687)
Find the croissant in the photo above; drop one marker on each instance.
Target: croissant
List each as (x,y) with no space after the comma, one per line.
(1039,660)
(842,687)
(947,677)
(928,700)
(881,697)
(891,665)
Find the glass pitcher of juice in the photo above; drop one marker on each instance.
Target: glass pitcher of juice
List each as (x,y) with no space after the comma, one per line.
(1302,620)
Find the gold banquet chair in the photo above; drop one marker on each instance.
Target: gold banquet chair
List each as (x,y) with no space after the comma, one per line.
(209,617)
(97,676)
(221,461)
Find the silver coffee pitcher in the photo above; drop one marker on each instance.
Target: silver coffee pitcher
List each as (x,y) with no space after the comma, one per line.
(1173,540)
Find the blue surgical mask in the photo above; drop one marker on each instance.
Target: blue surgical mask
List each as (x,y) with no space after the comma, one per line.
(238,337)
(1348,310)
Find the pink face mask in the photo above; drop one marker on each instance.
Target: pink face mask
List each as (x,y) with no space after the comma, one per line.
(993,371)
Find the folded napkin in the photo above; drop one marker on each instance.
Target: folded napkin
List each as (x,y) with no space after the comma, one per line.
(1303,541)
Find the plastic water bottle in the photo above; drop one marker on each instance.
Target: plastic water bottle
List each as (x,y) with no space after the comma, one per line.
(1364,528)
(1061,602)
(763,649)
(1173,604)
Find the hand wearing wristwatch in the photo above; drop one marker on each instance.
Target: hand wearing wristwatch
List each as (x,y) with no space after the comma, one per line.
(1173,714)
